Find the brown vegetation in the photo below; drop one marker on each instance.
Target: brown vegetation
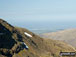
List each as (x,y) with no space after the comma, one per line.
(37,46)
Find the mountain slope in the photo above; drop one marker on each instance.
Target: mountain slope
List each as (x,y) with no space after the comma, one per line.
(68,36)
(19,42)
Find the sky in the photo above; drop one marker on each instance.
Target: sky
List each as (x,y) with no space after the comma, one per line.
(28,13)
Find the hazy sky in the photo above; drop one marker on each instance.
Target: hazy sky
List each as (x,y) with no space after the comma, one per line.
(35,11)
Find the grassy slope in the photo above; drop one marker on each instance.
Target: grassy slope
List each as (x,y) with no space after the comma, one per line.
(42,47)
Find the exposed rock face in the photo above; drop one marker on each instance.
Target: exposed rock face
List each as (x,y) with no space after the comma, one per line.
(7,39)
(15,43)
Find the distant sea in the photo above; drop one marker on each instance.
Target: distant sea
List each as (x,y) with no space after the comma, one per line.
(41,31)
(51,28)
(45,27)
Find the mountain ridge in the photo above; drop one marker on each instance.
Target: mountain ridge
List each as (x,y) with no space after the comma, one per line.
(16,42)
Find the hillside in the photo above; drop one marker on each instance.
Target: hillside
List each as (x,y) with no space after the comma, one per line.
(20,42)
(68,36)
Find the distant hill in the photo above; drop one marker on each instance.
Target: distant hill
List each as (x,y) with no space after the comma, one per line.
(68,36)
(20,42)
